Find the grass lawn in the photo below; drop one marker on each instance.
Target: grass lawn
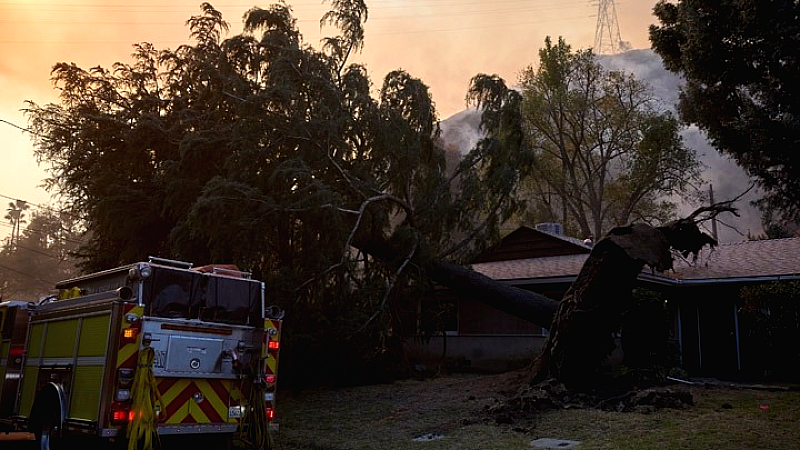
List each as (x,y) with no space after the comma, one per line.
(451,412)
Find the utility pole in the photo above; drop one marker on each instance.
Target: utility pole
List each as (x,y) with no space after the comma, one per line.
(607,39)
(714,218)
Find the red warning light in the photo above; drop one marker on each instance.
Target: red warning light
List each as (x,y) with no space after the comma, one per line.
(120,414)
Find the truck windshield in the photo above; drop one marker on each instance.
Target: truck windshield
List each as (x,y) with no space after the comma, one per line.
(193,295)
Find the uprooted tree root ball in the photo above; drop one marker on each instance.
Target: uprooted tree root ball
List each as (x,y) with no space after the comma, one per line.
(550,394)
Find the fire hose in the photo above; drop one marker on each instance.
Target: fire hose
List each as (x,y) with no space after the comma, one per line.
(146,402)
(253,433)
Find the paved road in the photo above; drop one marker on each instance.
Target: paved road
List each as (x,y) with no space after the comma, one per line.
(204,442)
(167,442)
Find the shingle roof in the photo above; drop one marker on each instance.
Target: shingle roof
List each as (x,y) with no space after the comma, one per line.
(547,267)
(747,259)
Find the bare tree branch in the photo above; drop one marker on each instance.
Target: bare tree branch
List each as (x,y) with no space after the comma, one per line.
(390,283)
(717,208)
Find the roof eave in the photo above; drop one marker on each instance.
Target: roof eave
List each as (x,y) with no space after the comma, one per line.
(658,279)
(731,280)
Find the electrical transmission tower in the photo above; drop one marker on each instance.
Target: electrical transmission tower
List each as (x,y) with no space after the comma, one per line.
(607,39)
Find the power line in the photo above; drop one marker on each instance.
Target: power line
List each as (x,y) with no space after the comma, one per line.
(15,125)
(63,239)
(4,267)
(32,204)
(27,202)
(418,11)
(20,127)
(32,230)
(33,250)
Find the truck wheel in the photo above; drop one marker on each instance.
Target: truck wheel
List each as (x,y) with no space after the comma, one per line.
(48,435)
(46,417)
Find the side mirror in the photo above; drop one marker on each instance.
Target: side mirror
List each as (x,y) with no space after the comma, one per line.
(274,312)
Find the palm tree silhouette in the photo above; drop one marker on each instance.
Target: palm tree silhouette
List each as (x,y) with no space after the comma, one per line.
(16,216)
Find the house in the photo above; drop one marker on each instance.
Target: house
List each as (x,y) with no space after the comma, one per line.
(485,338)
(702,298)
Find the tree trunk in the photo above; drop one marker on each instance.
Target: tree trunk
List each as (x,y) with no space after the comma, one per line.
(531,306)
(582,334)
(527,305)
(588,316)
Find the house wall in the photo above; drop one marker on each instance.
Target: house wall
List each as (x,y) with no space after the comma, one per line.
(485,339)
(713,340)
(476,318)
(486,353)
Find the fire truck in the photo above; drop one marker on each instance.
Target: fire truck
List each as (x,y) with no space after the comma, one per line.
(153,348)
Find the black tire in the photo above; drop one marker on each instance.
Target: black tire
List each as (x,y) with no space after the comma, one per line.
(48,434)
(46,417)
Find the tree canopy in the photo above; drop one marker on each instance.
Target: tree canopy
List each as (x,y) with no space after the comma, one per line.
(739,61)
(602,151)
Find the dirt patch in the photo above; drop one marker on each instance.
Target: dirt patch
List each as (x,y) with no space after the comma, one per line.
(529,401)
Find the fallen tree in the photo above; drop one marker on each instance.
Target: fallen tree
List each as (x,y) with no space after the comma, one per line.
(581,334)
(568,374)
(583,323)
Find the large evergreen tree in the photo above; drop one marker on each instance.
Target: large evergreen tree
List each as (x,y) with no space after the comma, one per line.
(739,60)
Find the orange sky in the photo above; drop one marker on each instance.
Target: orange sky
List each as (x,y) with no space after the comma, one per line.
(442,42)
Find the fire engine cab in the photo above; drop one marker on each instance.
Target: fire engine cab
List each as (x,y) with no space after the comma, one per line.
(156,347)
